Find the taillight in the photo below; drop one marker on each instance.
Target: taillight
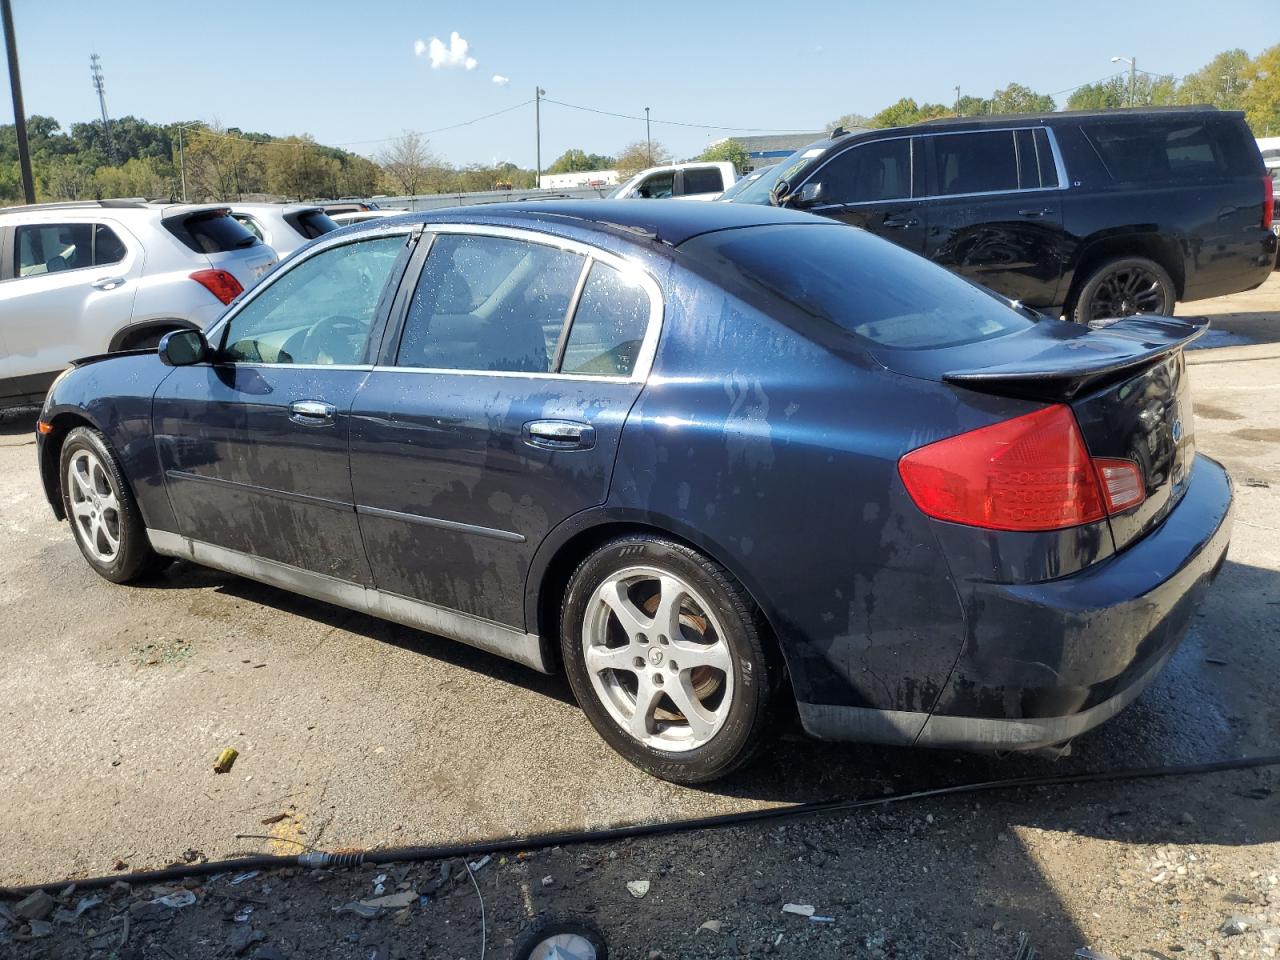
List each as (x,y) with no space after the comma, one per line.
(220,283)
(1268,202)
(1029,473)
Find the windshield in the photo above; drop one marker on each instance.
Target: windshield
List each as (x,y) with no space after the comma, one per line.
(736,190)
(759,191)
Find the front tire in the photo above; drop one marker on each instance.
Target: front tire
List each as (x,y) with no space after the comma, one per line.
(666,654)
(1122,287)
(102,510)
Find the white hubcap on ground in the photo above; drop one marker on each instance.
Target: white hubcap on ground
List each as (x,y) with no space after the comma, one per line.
(658,659)
(95,508)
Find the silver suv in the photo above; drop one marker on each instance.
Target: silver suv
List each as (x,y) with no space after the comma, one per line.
(284,226)
(92,277)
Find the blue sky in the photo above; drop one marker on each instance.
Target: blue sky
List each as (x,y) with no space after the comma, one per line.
(347,73)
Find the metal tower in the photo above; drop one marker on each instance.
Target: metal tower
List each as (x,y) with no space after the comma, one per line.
(100,87)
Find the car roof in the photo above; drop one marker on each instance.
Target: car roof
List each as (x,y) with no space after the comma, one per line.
(670,222)
(121,208)
(275,207)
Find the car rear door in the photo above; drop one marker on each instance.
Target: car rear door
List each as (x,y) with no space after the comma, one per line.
(253,443)
(495,411)
(868,185)
(994,212)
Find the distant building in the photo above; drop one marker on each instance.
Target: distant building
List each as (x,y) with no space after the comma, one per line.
(769,149)
(583,178)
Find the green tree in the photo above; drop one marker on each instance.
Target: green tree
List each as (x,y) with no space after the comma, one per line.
(1220,82)
(907,111)
(1148,91)
(575,161)
(730,151)
(222,165)
(1261,96)
(297,169)
(970,106)
(406,162)
(1015,98)
(850,121)
(634,157)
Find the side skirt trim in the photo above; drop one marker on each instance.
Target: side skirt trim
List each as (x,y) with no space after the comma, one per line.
(496,638)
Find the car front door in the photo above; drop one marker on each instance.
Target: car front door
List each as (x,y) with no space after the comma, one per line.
(70,290)
(253,443)
(868,185)
(995,215)
(495,414)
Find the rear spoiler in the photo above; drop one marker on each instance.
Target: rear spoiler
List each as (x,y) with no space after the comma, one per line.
(1088,358)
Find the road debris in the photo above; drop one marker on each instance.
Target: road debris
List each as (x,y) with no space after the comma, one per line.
(63,915)
(242,938)
(477,865)
(268,821)
(637,888)
(799,909)
(393,901)
(183,898)
(711,926)
(226,759)
(1235,926)
(36,906)
(240,878)
(380,883)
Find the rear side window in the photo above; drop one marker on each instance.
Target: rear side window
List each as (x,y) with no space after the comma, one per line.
(249,224)
(820,278)
(868,172)
(1172,149)
(211,232)
(703,181)
(608,326)
(53,247)
(489,303)
(983,162)
(313,223)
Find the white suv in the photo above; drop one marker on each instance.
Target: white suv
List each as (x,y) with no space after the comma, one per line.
(92,277)
(283,226)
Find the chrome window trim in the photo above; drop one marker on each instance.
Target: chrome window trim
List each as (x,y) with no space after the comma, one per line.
(649,346)
(1054,149)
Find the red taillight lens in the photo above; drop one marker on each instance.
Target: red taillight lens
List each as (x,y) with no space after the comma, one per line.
(1030,473)
(1268,202)
(220,283)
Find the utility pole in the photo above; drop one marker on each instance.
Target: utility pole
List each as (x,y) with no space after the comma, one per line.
(1133,76)
(957,111)
(538,94)
(648,140)
(19,112)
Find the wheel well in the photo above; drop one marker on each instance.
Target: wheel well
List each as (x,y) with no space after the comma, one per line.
(128,337)
(51,453)
(1152,246)
(555,579)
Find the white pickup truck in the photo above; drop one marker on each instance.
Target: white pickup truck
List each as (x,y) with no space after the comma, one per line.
(683,181)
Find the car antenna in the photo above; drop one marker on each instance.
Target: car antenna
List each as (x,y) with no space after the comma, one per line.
(838,132)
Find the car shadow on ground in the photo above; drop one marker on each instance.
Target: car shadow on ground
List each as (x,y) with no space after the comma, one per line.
(1235,329)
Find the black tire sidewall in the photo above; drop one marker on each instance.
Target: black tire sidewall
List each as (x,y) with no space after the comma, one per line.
(742,731)
(135,555)
(1080,310)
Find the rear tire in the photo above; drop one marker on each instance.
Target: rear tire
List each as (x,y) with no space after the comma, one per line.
(668,657)
(102,511)
(1122,287)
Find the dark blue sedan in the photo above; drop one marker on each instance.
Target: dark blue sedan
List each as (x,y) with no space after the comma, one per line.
(708,459)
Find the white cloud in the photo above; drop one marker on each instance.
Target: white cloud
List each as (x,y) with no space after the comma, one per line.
(500,80)
(419,47)
(456,54)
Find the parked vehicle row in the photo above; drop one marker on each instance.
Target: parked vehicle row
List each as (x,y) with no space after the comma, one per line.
(597,436)
(1087,215)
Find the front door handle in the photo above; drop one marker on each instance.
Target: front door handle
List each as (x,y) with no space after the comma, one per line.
(1035,212)
(107,283)
(312,413)
(900,220)
(560,434)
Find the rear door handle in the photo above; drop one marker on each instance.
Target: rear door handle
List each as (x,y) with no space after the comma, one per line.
(900,220)
(312,413)
(107,283)
(1035,212)
(560,434)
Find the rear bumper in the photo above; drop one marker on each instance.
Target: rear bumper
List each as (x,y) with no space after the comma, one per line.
(1045,662)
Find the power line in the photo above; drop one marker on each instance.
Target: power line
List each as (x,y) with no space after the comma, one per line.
(670,123)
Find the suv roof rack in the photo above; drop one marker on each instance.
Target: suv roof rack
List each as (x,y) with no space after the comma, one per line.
(121,203)
(1056,114)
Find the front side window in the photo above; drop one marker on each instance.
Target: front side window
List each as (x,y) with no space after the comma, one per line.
(608,326)
(869,172)
(974,162)
(489,304)
(54,247)
(319,312)
(657,187)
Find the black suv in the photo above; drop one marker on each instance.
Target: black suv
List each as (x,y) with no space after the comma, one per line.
(1082,214)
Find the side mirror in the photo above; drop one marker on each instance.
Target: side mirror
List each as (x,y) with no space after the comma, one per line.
(810,194)
(182,348)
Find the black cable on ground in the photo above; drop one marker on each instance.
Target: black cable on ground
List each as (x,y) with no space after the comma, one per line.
(567,838)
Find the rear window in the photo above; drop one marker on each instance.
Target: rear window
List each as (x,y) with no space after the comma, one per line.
(1170,149)
(211,232)
(865,286)
(313,223)
(703,181)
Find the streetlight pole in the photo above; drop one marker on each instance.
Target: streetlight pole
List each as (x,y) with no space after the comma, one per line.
(19,112)
(538,94)
(1133,77)
(648,140)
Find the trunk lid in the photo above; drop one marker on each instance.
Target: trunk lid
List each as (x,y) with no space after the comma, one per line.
(222,240)
(1127,385)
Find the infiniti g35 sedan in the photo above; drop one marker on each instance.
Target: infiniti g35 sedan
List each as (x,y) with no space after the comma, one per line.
(710,460)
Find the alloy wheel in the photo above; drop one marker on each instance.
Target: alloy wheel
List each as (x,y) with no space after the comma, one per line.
(1125,291)
(95,506)
(658,659)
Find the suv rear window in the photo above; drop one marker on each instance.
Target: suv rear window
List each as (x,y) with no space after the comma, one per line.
(1170,149)
(313,223)
(865,286)
(215,232)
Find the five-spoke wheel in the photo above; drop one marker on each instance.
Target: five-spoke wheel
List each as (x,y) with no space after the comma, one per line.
(95,508)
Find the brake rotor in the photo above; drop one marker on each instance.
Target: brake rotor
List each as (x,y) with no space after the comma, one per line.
(706,680)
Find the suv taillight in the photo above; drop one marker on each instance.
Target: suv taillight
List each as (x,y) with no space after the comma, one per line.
(1030,473)
(220,283)
(1268,202)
